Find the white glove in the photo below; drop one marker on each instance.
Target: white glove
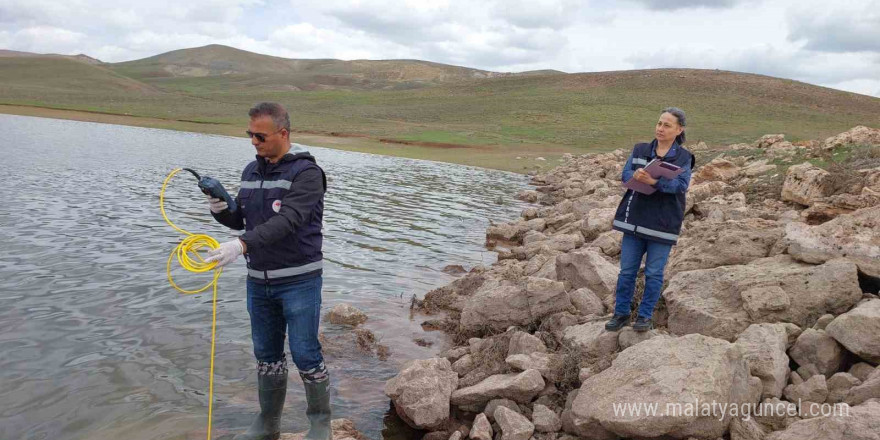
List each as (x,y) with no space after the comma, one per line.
(226,253)
(217,205)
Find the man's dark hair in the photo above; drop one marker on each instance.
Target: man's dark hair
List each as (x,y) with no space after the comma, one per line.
(273,110)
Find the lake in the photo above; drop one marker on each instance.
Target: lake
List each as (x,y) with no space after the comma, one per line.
(96,344)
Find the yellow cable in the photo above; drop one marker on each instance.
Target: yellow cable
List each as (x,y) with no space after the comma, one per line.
(190,259)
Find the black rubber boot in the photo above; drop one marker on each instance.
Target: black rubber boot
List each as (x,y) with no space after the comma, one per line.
(617,322)
(318,412)
(272,389)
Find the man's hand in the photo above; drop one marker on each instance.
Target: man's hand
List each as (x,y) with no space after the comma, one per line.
(642,176)
(226,253)
(217,205)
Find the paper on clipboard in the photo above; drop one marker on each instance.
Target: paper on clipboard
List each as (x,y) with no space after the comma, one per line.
(657,169)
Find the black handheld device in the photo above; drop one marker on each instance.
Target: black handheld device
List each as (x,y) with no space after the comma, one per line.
(212,187)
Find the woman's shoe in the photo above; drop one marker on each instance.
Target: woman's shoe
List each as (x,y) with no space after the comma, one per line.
(617,322)
(643,324)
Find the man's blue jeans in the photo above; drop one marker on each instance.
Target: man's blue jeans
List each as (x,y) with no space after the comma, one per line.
(631,251)
(294,308)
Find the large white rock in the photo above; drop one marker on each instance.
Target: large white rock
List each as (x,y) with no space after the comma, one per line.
(864,391)
(597,221)
(724,301)
(815,347)
(498,305)
(699,192)
(519,387)
(513,232)
(858,330)
(545,419)
(525,343)
(806,184)
(717,170)
(862,423)
(707,245)
(588,268)
(627,337)
(672,373)
(591,340)
(720,207)
(764,348)
(481,429)
(514,426)
(746,429)
(587,302)
(768,140)
(421,392)
(608,243)
(855,236)
(839,386)
(862,370)
(814,389)
(548,364)
(858,135)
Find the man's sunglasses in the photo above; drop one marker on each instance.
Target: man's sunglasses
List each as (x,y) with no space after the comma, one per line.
(261,137)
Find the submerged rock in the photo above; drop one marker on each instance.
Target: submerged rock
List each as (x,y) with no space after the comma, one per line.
(421,392)
(342,429)
(346,314)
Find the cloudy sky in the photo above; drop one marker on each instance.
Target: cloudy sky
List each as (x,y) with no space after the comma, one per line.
(834,44)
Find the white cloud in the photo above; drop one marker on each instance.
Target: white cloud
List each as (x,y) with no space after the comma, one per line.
(531,14)
(304,40)
(846,28)
(864,86)
(44,39)
(666,5)
(851,72)
(809,40)
(767,60)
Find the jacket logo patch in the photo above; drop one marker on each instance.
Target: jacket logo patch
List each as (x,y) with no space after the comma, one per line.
(276,205)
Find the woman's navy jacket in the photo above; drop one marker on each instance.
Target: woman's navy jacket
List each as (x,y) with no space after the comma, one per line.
(281,207)
(657,216)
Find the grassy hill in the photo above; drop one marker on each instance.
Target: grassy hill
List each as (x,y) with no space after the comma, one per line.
(251,70)
(428,110)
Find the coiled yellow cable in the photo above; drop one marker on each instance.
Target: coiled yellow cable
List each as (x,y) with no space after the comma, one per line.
(190,259)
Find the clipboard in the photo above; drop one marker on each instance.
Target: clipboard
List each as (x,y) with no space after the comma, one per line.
(656,168)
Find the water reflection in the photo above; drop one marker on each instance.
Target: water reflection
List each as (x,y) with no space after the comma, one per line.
(97,345)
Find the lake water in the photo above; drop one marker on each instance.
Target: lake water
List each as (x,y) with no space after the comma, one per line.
(96,345)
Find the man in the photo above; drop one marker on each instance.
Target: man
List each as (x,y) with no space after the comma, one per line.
(280,205)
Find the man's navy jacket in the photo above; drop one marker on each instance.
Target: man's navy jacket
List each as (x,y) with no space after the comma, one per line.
(281,208)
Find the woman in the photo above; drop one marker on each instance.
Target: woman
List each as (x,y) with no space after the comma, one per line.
(650,223)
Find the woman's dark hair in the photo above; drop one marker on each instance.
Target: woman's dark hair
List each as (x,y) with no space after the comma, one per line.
(679,114)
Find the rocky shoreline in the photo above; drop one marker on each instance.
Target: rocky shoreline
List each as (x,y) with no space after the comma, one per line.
(770,297)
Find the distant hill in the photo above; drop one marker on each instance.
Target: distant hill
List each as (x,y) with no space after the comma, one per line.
(80,57)
(38,76)
(412,102)
(215,60)
(252,70)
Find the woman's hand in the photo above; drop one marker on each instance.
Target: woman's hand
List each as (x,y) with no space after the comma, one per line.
(642,176)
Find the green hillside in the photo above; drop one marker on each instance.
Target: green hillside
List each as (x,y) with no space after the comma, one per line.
(421,109)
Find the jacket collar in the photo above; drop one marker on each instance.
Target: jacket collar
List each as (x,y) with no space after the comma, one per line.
(671,154)
(296,152)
